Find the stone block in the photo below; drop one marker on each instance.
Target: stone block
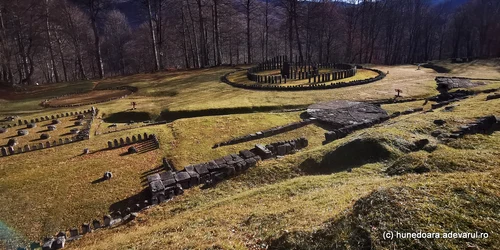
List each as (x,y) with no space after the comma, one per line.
(74,232)
(281,150)
(156,186)
(184,179)
(246,154)
(195,177)
(153,177)
(48,244)
(96,224)
(263,152)
(201,169)
(86,228)
(107,220)
(22,132)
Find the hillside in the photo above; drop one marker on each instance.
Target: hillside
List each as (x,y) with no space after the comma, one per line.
(393,176)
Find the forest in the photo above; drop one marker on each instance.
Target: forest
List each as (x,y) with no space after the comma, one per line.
(48,41)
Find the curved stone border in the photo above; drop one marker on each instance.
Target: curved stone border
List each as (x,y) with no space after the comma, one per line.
(381,75)
(47,104)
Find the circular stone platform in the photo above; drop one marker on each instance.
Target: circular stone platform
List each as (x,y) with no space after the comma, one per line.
(343,113)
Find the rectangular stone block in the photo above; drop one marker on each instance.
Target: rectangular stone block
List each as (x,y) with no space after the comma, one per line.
(262,151)
(184,179)
(153,177)
(201,169)
(156,186)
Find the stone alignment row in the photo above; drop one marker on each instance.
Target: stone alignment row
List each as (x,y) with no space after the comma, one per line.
(316,86)
(46,118)
(166,185)
(482,125)
(46,103)
(266,133)
(120,142)
(83,134)
(27,148)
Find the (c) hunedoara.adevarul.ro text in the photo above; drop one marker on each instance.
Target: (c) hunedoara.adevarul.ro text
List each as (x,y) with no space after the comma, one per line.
(389,235)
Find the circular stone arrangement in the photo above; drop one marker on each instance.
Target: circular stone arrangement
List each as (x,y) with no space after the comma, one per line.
(279,73)
(344,113)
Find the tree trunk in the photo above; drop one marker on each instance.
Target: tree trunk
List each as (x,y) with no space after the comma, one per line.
(217,33)
(49,42)
(153,38)
(203,45)
(63,61)
(249,40)
(97,45)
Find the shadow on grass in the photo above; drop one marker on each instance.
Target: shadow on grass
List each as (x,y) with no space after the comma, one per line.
(174,115)
(98,180)
(437,68)
(127,116)
(138,198)
(349,155)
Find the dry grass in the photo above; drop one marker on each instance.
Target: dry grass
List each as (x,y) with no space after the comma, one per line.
(257,207)
(254,208)
(89,97)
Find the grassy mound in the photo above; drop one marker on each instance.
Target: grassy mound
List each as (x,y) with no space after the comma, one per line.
(348,156)
(456,203)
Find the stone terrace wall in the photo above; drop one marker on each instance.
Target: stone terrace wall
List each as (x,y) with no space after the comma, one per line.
(166,185)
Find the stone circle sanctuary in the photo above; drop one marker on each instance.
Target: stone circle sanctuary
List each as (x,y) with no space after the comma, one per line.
(255,125)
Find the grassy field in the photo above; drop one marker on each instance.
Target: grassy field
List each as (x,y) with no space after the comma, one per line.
(322,206)
(284,203)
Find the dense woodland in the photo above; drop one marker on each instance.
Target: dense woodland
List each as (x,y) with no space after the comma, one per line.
(47,41)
